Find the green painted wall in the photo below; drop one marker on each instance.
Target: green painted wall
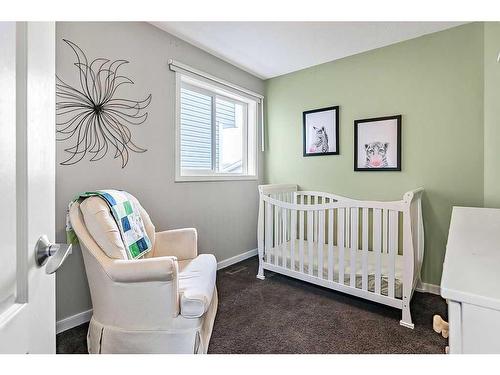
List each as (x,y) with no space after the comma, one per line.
(436,83)
(491,115)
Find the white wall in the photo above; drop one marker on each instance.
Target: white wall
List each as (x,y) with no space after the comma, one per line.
(225,213)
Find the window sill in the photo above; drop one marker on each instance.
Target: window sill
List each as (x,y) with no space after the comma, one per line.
(215,178)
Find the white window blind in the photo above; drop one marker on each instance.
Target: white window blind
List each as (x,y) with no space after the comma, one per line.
(196,130)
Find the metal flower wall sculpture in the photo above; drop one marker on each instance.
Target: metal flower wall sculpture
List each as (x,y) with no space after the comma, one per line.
(91,116)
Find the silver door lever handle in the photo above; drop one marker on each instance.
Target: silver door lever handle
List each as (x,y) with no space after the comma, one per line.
(52,254)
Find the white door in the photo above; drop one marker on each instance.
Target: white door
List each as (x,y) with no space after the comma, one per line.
(27,179)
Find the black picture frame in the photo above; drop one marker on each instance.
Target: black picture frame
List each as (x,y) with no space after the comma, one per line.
(305,152)
(397,168)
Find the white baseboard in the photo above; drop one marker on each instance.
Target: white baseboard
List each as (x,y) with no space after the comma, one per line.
(237,258)
(428,288)
(73,321)
(83,317)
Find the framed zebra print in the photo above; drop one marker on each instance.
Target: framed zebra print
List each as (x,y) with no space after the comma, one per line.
(321,131)
(377,144)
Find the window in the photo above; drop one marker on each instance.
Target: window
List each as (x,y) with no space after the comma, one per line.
(216,132)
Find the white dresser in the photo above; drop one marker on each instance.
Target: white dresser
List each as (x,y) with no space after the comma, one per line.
(471,280)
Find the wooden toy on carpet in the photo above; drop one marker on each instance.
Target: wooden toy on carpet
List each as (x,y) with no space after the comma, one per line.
(440,326)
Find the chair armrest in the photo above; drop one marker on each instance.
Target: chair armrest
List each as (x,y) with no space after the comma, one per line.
(142,270)
(181,243)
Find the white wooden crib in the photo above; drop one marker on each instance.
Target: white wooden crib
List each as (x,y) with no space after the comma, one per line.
(369,249)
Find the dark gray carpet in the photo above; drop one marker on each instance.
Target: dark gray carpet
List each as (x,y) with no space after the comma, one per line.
(283,315)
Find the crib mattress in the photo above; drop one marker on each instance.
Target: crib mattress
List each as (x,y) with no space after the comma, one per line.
(371,262)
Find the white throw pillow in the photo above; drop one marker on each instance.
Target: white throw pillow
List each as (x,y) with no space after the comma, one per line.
(102,227)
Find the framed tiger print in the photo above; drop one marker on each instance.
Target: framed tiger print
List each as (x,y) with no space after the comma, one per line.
(377,144)
(321,131)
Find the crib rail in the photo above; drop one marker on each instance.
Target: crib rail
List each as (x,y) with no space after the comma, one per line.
(370,249)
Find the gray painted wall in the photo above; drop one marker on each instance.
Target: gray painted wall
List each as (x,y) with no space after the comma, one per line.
(225,213)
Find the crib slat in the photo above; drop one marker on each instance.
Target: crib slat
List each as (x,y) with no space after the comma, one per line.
(321,241)
(364,280)
(315,219)
(354,244)
(301,241)
(280,222)
(341,242)
(293,237)
(377,245)
(393,240)
(347,221)
(385,220)
(277,232)
(269,231)
(385,244)
(310,241)
(284,245)
(276,224)
(330,244)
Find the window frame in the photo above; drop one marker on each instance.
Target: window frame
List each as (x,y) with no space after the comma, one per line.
(250,132)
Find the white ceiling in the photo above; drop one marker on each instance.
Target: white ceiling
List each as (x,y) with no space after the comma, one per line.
(270,49)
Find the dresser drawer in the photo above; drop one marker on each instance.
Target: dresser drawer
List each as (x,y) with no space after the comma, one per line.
(480,330)
(473,329)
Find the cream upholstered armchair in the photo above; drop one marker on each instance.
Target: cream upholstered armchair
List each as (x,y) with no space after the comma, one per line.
(164,303)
